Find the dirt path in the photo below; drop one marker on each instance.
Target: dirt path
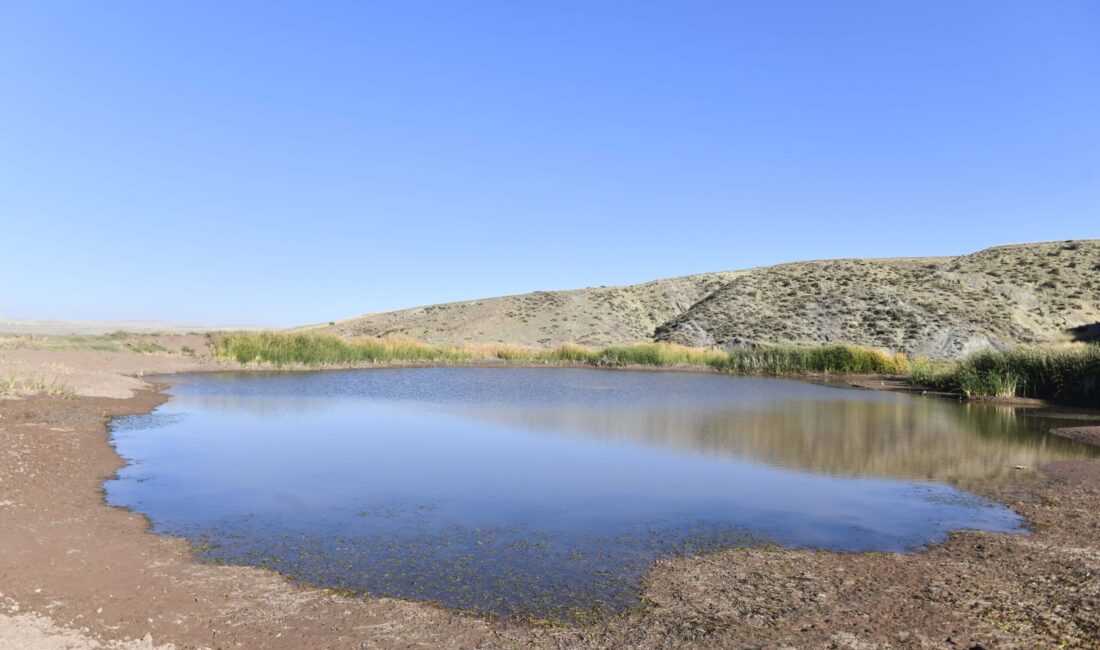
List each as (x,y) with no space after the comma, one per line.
(75,573)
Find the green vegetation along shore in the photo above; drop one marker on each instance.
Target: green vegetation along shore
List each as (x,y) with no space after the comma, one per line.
(1067,376)
(315,349)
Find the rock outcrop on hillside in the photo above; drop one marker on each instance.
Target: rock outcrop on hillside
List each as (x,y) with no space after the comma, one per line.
(940,307)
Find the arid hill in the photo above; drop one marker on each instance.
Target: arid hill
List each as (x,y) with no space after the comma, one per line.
(595,316)
(944,307)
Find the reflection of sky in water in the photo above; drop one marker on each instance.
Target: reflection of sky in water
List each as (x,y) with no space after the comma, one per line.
(541,489)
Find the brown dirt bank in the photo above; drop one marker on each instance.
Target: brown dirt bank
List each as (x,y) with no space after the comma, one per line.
(75,573)
(1087,435)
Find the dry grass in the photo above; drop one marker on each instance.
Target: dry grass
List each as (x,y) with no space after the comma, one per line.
(12,384)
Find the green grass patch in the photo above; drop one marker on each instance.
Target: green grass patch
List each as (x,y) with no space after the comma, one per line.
(144,347)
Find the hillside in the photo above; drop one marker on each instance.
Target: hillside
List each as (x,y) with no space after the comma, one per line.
(939,307)
(595,316)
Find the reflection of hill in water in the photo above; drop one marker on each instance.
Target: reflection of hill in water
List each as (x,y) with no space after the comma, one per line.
(254,406)
(916,438)
(919,439)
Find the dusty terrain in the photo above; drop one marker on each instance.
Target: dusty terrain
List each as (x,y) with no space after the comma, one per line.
(596,316)
(938,307)
(75,573)
(63,327)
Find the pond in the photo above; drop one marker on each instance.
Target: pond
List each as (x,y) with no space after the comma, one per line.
(547,492)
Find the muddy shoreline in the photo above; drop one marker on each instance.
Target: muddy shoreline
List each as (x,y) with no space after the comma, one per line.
(75,568)
(1089,435)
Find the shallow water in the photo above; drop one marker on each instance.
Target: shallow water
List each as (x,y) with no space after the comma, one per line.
(549,491)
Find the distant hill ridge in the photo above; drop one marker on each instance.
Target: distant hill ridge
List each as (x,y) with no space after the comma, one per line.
(942,307)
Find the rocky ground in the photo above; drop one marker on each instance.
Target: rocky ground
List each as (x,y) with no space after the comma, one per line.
(75,573)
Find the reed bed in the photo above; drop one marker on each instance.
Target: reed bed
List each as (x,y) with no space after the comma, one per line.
(1064,375)
(312,349)
(785,360)
(307,349)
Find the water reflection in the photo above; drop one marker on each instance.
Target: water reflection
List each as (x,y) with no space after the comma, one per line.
(818,428)
(543,490)
(919,438)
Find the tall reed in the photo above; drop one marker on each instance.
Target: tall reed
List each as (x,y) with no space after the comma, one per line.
(312,349)
(1064,375)
(782,360)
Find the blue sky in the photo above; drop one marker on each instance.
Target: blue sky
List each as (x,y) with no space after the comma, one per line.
(283,163)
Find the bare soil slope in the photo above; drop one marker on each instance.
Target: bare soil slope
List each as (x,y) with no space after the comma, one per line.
(942,307)
(595,316)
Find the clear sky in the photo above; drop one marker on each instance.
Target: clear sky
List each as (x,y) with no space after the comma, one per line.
(291,162)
